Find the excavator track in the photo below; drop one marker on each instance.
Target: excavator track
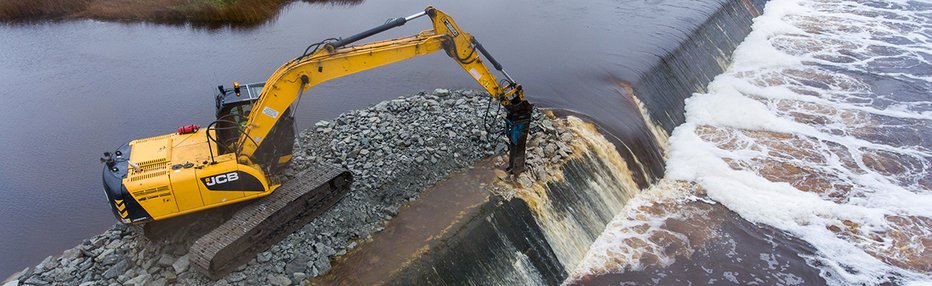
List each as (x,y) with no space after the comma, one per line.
(257,226)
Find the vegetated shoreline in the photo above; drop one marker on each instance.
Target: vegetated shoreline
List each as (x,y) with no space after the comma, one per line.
(209,13)
(396,150)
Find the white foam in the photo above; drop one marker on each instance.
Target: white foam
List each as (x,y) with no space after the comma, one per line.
(755,51)
(610,252)
(806,215)
(777,204)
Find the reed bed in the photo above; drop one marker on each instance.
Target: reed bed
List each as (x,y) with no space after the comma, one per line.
(197,12)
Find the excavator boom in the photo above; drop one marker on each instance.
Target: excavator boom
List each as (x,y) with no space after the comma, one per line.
(335,59)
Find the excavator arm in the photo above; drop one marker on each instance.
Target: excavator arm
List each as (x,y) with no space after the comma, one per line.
(336,58)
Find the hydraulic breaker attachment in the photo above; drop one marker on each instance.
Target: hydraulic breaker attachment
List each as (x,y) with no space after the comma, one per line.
(517,124)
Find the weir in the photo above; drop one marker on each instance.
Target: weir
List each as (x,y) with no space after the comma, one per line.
(537,234)
(703,55)
(532,234)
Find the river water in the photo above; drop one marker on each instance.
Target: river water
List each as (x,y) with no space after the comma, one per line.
(819,136)
(75,89)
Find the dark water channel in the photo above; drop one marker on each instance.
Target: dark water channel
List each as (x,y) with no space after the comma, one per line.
(74,89)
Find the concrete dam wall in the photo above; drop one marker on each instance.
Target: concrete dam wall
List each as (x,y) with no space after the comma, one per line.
(532,234)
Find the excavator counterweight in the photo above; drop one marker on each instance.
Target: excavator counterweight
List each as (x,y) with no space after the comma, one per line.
(240,157)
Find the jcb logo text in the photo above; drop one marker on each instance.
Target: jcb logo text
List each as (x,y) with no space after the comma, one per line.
(220,179)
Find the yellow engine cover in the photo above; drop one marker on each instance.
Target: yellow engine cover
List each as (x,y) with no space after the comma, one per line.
(175,174)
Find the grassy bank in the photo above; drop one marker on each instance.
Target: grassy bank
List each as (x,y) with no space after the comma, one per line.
(198,12)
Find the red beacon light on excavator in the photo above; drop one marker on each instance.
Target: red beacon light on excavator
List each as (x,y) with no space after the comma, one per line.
(188,129)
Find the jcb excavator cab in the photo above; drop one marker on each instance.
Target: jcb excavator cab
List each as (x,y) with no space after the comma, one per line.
(233,109)
(234,105)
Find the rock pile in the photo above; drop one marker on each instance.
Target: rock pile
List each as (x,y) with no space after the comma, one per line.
(395,150)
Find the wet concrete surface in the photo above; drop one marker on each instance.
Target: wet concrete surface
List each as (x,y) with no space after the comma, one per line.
(416,229)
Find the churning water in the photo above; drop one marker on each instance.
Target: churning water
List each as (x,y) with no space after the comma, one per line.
(820,130)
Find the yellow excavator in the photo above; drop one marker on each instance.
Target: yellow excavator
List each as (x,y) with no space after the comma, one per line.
(241,156)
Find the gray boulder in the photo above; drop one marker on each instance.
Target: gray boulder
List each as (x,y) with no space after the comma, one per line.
(279,280)
(138,280)
(181,264)
(166,260)
(117,269)
(298,264)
